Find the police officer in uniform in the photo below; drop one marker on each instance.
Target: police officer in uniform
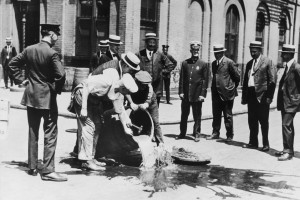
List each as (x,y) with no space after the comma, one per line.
(46,77)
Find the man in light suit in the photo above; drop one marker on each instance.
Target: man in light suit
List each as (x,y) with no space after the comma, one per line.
(46,77)
(154,62)
(225,80)
(288,100)
(7,53)
(112,53)
(192,90)
(258,90)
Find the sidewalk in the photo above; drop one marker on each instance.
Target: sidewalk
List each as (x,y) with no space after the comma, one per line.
(169,114)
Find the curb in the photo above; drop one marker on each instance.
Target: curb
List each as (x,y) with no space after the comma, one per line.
(73,116)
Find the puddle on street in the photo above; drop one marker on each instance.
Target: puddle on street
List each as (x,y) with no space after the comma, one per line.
(196,176)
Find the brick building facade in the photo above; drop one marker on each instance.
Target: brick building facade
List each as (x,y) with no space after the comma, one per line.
(84,22)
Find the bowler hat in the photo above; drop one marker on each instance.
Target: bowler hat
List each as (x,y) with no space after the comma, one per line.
(114,39)
(150,36)
(255,44)
(288,48)
(46,28)
(131,60)
(103,43)
(218,48)
(143,77)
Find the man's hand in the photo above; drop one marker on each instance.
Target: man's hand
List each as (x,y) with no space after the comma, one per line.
(128,131)
(25,82)
(201,98)
(83,113)
(268,101)
(144,106)
(181,96)
(134,106)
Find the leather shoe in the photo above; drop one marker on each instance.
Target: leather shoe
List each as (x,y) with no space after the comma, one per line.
(285,156)
(250,146)
(229,139)
(265,148)
(212,137)
(53,176)
(279,153)
(91,166)
(179,137)
(32,172)
(169,103)
(197,138)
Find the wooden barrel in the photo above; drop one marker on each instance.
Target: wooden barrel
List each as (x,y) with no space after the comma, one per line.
(80,75)
(114,143)
(70,71)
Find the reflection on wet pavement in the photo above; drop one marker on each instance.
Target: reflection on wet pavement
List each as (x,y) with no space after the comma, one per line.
(161,179)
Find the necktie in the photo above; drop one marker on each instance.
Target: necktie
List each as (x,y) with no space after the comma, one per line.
(284,74)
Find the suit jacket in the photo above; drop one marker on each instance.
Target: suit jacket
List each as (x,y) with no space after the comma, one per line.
(155,67)
(264,80)
(166,73)
(193,79)
(7,56)
(107,57)
(227,78)
(46,75)
(288,99)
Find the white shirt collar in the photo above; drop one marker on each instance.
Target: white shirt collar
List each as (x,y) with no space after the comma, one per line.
(289,64)
(220,60)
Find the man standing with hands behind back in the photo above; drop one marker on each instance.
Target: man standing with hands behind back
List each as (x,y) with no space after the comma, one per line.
(258,90)
(46,77)
(225,80)
(288,100)
(192,90)
(7,53)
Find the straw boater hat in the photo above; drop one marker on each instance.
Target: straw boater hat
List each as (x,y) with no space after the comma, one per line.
(103,43)
(150,36)
(143,77)
(114,39)
(255,44)
(8,39)
(195,43)
(288,48)
(218,48)
(131,60)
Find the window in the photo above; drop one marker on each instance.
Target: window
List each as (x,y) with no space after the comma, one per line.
(232,32)
(260,27)
(149,14)
(282,34)
(92,25)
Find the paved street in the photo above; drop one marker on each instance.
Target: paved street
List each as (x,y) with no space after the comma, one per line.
(234,172)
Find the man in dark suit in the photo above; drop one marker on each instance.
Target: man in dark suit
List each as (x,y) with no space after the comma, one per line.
(7,53)
(288,100)
(192,90)
(95,59)
(225,80)
(153,61)
(114,42)
(166,73)
(46,77)
(258,90)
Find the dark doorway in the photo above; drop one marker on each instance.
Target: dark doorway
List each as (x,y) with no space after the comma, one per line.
(33,23)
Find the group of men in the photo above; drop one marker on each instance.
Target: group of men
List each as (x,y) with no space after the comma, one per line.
(138,79)
(258,89)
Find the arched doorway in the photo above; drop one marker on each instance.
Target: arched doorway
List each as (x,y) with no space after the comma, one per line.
(232,32)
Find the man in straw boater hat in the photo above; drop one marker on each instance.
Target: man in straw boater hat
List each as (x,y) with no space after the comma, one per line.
(288,100)
(192,90)
(225,81)
(258,91)
(46,77)
(7,53)
(95,59)
(114,42)
(154,61)
(129,64)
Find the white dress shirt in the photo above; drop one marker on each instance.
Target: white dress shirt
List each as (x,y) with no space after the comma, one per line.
(251,77)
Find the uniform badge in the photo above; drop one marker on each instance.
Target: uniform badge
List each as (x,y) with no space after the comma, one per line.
(197,68)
